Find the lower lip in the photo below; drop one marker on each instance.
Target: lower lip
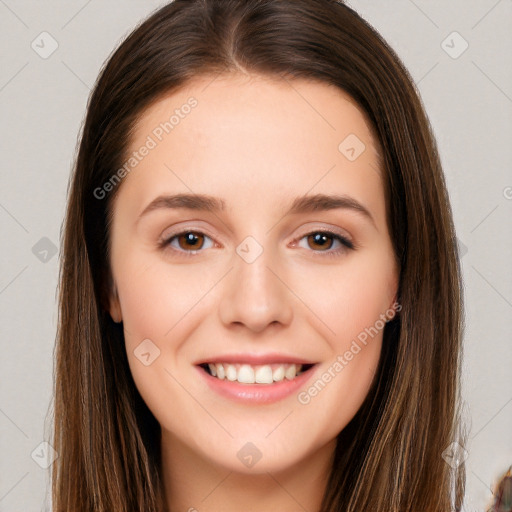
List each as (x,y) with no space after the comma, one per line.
(256,393)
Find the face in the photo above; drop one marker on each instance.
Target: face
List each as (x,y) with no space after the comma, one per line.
(267,283)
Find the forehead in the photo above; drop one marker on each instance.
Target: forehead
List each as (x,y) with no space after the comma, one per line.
(253,138)
(293,110)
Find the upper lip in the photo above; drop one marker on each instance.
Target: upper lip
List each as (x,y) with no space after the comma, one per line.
(255,359)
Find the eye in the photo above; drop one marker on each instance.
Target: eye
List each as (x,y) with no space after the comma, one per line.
(188,242)
(325,240)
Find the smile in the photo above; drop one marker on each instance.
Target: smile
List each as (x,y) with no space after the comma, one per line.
(256,382)
(255,374)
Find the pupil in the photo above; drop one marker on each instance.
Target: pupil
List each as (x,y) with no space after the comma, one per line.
(320,239)
(191,239)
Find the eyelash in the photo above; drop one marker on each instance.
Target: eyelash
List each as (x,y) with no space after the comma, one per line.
(346,244)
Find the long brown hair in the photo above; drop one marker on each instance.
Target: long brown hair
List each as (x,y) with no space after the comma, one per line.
(390,456)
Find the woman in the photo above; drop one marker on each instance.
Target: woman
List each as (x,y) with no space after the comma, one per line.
(209,355)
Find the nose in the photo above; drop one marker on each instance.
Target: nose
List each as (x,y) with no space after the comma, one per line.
(256,295)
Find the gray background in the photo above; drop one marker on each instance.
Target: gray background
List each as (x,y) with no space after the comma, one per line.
(43,100)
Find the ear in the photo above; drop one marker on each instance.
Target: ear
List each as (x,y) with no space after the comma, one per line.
(394,306)
(114,306)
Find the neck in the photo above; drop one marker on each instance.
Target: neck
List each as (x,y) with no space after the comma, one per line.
(195,484)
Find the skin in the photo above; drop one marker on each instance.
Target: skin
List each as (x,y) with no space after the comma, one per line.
(257,143)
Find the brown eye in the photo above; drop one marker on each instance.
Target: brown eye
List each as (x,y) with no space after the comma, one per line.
(189,240)
(325,243)
(320,240)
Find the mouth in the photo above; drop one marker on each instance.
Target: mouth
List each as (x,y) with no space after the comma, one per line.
(243,373)
(256,378)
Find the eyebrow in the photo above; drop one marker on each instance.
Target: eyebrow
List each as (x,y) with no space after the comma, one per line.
(302,204)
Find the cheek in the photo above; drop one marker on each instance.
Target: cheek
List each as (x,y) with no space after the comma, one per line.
(340,388)
(157,297)
(161,306)
(347,300)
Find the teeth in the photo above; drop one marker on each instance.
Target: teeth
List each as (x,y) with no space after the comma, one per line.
(230,372)
(245,374)
(260,374)
(290,372)
(263,375)
(220,371)
(278,373)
